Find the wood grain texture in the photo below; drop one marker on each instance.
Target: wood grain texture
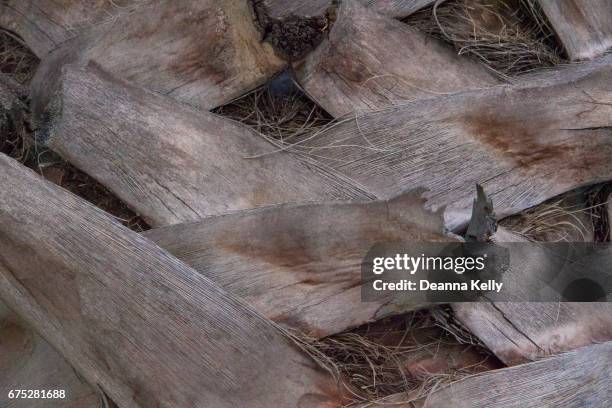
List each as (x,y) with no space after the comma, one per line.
(280,9)
(172,163)
(204,53)
(145,327)
(45,24)
(584,27)
(28,362)
(522,331)
(354,69)
(577,379)
(524,143)
(300,265)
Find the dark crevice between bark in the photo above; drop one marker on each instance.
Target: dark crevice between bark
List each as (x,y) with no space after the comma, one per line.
(599,202)
(293,37)
(24,140)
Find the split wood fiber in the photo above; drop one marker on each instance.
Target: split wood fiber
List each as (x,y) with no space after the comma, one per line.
(204,53)
(354,69)
(282,9)
(300,265)
(145,327)
(584,27)
(27,361)
(577,379)
(172,163)
(517,332)
(524,144)
(45,24)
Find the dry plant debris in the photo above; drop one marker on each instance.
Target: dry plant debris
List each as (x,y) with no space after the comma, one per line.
(278,110)
(578,216)
(509,36)
(403,354)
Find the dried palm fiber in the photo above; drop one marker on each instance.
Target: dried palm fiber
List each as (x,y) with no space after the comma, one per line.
(510,37)
(204,53)
(169,162)
(149,330)
(12,107)
(27,359)
(407,353)
(278,110)
(580,378)
(570,217)
(524,143)
(353,70)
(16,60)
(584,27)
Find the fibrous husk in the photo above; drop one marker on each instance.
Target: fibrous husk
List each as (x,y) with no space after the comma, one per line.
(523,143)
(170,162)
(353,69)
(203,53)
(145,327)
(301,265)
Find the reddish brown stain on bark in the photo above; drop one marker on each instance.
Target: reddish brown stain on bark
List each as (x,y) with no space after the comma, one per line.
(209,55)
(13,337)
(516,140)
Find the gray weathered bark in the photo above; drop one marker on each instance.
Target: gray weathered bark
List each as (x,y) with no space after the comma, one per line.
(147,328)
(584,27)
(524,144)
(370,61)
(12,106)
(27,361)
(45,24)
(522,331)
(300,265)
(172,163)
(204,53)
(393,8)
